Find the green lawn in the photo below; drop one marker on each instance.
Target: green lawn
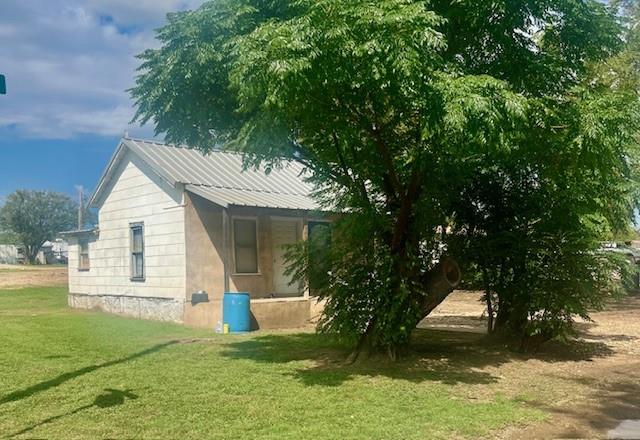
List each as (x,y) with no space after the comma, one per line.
(77,374)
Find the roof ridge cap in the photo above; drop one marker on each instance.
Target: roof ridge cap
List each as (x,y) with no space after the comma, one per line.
(187,147)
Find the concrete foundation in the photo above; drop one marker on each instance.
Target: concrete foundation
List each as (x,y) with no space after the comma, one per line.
(277,313)
(158,309)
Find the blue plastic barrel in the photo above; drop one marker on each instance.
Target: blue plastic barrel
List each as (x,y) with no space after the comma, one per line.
(236,312)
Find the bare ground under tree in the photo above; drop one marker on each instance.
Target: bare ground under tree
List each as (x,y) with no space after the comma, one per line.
(587,388)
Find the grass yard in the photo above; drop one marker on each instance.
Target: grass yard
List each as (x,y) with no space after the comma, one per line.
(76,374)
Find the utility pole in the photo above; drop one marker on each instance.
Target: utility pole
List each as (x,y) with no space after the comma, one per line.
(80,206)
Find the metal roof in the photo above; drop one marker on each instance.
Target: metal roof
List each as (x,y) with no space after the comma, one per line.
(236,197)
(219,176)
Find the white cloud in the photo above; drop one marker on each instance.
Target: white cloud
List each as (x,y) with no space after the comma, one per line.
(146,12)
(68,63)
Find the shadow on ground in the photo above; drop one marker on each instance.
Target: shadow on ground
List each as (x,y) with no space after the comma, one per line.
(62,378)
(448,357)
(108,399)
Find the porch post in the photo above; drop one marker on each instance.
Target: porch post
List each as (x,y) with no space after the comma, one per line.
(225,247)
(305,236)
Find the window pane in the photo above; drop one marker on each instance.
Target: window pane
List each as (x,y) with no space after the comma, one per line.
(246,251)
(246,260)
(137,239)
(245,233)
(138,266)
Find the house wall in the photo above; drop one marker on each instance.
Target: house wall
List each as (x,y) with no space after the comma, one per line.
(204,247)
(136,194)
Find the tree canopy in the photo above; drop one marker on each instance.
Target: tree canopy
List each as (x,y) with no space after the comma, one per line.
(33,217)
(438,125)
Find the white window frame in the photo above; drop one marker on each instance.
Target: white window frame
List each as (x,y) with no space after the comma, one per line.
(133,277)
(256,220)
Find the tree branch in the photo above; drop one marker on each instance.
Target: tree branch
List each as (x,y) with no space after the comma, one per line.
(388,162)
(357,182)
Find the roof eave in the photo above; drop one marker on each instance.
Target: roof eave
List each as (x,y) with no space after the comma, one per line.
(105,177)
(79,232)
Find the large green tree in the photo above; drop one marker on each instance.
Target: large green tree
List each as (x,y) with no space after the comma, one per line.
(34,217)
(531,220)
(394,107)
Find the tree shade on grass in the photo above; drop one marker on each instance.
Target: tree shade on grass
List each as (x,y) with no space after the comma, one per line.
(67,373)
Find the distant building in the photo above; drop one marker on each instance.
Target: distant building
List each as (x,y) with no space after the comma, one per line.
(52,252)
(9,254)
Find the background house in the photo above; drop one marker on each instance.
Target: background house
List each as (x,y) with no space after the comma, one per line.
(51,252)
(173,222)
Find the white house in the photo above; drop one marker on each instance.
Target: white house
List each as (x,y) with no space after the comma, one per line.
(173,222)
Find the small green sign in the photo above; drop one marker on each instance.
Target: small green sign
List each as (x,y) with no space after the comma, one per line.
(3,85)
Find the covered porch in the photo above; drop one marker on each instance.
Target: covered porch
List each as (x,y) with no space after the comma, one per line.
(236,248)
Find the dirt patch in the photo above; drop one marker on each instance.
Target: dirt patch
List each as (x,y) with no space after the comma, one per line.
(587,387)
(14,277)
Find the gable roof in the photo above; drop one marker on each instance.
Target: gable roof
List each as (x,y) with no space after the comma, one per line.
(217,176)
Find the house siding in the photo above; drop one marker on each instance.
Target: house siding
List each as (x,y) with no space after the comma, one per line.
(136,194)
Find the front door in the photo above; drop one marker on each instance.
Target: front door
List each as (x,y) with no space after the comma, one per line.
(283,232)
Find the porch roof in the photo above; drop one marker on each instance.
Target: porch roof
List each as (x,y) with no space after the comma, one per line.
(261,199)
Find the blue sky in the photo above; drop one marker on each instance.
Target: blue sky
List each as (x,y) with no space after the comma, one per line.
(68,64)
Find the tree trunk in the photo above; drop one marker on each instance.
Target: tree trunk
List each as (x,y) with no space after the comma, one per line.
(31,253)
(487,298)
(502,315)
(439,283)
(365,341)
